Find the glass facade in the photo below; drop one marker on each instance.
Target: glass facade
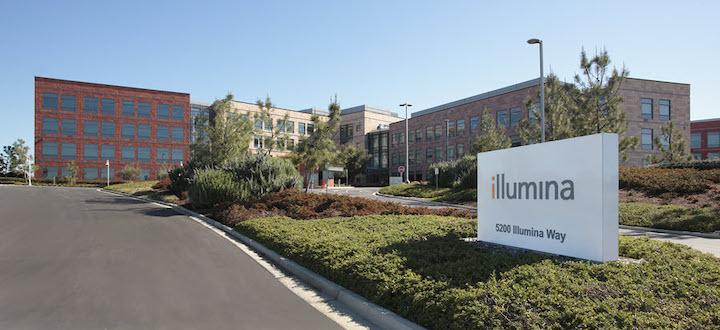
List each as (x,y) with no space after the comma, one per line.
(647,108)
(68,127)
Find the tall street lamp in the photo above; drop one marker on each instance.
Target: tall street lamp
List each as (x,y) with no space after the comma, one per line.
(542,89)
(407,143)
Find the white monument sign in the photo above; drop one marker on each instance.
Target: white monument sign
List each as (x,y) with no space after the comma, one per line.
(559,197)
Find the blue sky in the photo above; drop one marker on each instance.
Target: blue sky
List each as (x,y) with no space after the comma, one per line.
(379,53)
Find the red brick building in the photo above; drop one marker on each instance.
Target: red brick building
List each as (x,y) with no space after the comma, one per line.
(447,131)
(94,123)
(705,138)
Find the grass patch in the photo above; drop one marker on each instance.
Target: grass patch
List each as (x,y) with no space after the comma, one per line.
(671,217)
(418,267)
(137,188)
(421,190)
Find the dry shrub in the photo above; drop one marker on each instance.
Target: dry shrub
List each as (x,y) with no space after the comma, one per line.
(668,182)
(299,205)
(163,184)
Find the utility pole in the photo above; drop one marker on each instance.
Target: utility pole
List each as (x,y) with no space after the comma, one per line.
(407,143)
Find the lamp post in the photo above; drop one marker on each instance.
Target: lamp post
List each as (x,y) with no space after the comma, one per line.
(407,143)
(107,164)
(542,89)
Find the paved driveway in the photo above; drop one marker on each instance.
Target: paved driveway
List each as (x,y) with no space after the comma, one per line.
(83,259)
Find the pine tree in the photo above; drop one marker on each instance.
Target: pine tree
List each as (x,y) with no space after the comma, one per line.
(278,137)
(221,138)
(671,146)
(491,136)
(318,150)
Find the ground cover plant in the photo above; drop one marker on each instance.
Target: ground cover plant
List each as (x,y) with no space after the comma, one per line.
(418,267)
(300,205)
(669,182)
(672,217)
(422,190)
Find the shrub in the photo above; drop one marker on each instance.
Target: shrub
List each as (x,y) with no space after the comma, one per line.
(658,181)
(671,217)
(250,177)
(180,180)
(163,183)
(697,164)
(130,172)
(418,267)
(300,205)
(460,173)
(214,186)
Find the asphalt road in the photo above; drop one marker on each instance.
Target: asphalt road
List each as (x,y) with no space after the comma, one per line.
(83,259)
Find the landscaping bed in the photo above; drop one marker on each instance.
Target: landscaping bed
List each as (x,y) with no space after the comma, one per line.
(152,189)
(672,217)
(418,267)
(422,190)
(299,205)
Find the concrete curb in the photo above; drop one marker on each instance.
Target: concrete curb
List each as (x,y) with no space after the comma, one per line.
(431,203)
(379,316)
(674,232)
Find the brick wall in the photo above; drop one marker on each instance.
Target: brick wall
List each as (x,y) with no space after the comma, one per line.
(703,128)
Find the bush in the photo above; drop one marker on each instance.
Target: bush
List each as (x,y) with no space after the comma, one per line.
(414,189)
(460,173)
(300,205)
(671,217)
(658,181)
(180,180)
(418,267)
(163,183)
(696,164)
(214,186)
(129,173)
(250,177)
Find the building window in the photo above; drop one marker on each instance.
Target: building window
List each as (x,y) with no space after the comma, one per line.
(90,128)
(144,109)
(450,128)
(177,134)
(418,135)
(104,173)
(163,154)
(90,152)
(280,125)
(143,154)
(664,109)
(438,154)
(50,101)
(90,104)
(647,108)
(128,108)
(127,153)
(411,136)
(646,139)
(177,154)
(163,111)
(50,126)
(68,151)
(502,118)
(429,133)
(108,107)
(290,127)
(50,150)
(438,132)
(451,153)
(268,125)
(128,131)
(474,122)
(429,154)
(90,173)
(108,129)
(310,128)
(258,142)
(143,132)
(67,126)
(68,103)
(145,174)
(163,133)
(460,150)
(51,172)
(301,128)
(460,127)
(665,141)
(713,139)
(178,112)
(695,141)
(291,144)
(107,151)
(515,116)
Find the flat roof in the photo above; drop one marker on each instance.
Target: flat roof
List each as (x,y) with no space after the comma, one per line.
(660,81)
(704,120)
(107,85)
(363,107)
(475,98)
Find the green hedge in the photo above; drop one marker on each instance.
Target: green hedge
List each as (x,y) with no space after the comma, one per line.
(418,267)
(697,164)
(658,181)
(673,217)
